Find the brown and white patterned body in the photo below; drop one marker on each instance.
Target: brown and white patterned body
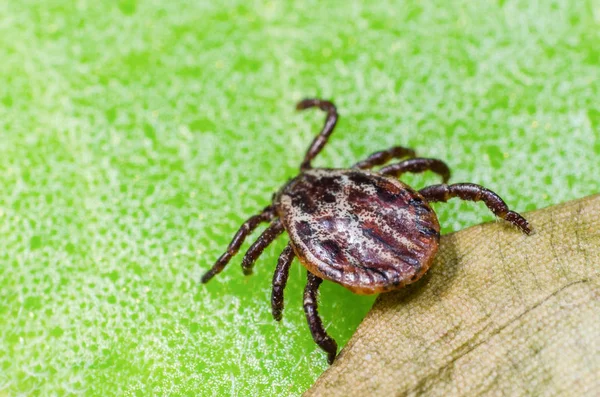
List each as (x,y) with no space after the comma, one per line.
(368,232)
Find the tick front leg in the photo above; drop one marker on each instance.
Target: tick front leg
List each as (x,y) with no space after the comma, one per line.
(320,140)
(380,158)
(234,246)
(266,238)
(315,324)
(472,192)
(282,271)
(418,165)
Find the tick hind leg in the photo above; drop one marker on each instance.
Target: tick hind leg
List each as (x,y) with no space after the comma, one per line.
(315,324)
(472,192)
(384,156)
(282,271)
(417,165)
(234,246)
(256,249)
(320,140)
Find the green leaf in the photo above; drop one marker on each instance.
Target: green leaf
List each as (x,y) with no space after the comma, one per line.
(135,137)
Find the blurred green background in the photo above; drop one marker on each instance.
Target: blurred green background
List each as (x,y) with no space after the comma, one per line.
(135,137)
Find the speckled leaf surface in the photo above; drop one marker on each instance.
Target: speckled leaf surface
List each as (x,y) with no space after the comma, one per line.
(136,137)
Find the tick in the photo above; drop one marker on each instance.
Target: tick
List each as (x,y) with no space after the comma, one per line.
(359,227)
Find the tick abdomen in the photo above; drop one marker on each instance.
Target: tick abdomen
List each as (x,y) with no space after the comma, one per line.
(368,232)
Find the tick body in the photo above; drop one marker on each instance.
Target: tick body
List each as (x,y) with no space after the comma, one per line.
(363,229)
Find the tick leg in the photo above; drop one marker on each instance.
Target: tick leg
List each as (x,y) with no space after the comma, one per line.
(315,324)
(380,158)
(247,227)
(266,238)
(282,271)
(320,140)
(472,192)
(418,165)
